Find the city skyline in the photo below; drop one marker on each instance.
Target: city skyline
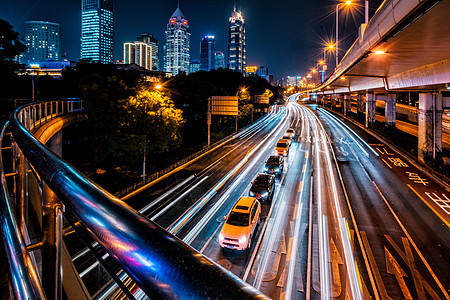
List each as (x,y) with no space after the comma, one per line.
(285,38)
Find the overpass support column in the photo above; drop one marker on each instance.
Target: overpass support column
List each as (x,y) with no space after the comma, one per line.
(430,125)
(51,233)
(370,109)
(360,104)
(347,104)
(389,110)
(334,100)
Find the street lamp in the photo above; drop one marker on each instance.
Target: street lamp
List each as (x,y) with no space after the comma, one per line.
(348,2)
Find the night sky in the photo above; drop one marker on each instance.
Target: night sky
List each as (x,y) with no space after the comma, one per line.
(286,36)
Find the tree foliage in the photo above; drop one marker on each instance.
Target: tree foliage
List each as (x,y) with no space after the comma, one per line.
(125,114)
(10,48)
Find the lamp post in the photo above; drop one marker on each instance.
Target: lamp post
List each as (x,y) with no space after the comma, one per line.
(366,19)
(348,2)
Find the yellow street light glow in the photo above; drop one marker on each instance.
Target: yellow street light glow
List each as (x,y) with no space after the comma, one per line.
(243,90)
(380,52)
(313,70)
(158,86)
(321,62)
(343,78)
(348,2)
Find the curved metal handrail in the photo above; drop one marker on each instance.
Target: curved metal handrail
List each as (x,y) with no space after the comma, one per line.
(162,265)
(24,279)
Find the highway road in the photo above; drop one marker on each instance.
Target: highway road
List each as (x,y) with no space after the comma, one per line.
(351,218)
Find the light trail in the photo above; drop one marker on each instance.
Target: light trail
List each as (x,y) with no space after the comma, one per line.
(200,225)
(349,130)
(298,221)
(150,205)
(348,254)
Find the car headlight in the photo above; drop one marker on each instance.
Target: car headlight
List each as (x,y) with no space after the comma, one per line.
(252,193)
(242,239)
(264,194)
(276,169)
(221,237)
(266,168)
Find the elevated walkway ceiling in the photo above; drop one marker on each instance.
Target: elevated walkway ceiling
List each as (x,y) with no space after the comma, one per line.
(415,36)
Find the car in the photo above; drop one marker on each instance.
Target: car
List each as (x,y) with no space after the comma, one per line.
(274,165)
(291,132)
(240,224)
(263,187)
(288,138)
(282,147)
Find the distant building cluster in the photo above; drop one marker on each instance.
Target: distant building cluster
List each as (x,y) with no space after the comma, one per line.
(43,41)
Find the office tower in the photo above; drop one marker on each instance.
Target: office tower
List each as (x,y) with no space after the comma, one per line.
(42,40)
(194,66)
(97,30)
(220,60)
(153,42)
(207,51)
(143,52)
(177,47)
(236,42)
(262,72)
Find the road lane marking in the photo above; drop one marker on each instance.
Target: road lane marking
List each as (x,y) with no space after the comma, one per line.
(374,266)
(405,259)
(386,163)
(394,268)
(431,207)
(441,287)
(335,259)
(414,271)
(295,209)
(304,168)
(300,186)
(288,258)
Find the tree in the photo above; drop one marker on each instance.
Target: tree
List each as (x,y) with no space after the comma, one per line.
(152,114)
(10,48)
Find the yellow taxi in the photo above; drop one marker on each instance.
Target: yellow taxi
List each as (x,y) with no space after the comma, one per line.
(239,227)
(282,147)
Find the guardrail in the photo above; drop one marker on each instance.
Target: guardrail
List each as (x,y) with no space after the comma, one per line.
(179,163)
(161,264)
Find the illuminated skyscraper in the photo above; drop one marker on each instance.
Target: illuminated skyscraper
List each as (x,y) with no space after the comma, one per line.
(207,51)
(178,42)
(143,52)
(153,42)
(42,40)
(236,42)
(220,60)
(97,30)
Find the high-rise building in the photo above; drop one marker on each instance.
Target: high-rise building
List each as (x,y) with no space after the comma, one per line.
(220,60)
(236,42)
(178,43)
(42,40)
(207,51)
(153,42)
(143,52)
(194,66)
(262,72)
(290,81)
(97,30)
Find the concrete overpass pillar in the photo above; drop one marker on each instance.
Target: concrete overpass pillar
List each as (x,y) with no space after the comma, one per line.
(347,104)
(370,109)
(430,125)
(389,110)
(334,100)
(360,104)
